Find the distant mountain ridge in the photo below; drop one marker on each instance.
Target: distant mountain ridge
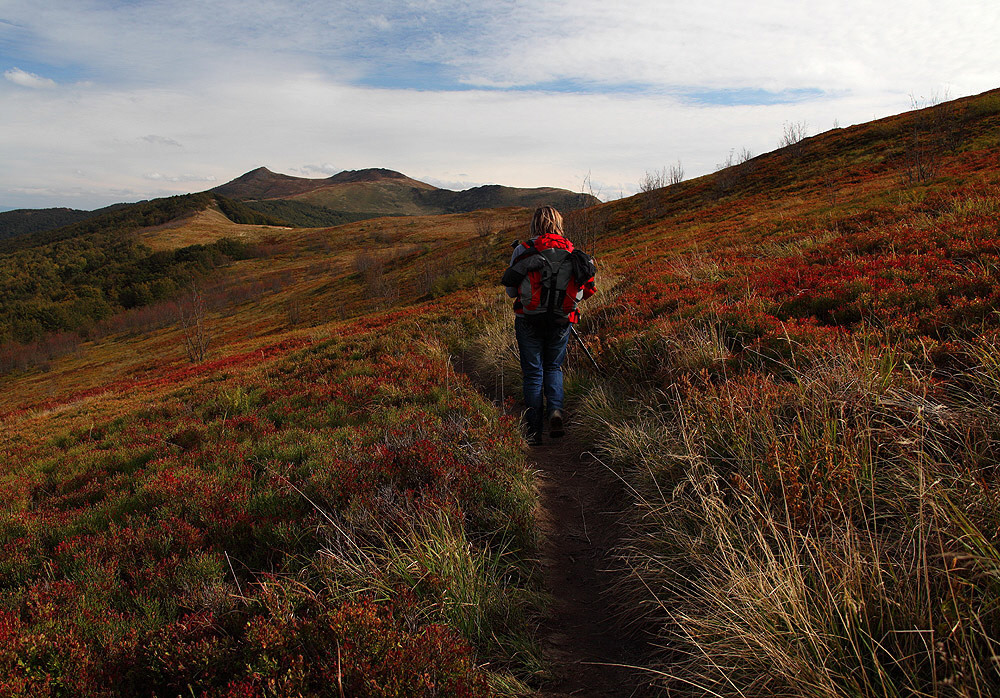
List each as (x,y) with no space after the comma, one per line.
(123,220)
(376,192)
(346,197)
(372,174)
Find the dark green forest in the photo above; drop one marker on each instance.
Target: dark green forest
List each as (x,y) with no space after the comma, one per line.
(71,278)
(27,221)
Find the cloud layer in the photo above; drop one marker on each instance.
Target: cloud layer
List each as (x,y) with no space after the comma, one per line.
(26,79)
(107,101)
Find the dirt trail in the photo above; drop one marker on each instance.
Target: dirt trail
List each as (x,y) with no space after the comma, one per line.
(580,520)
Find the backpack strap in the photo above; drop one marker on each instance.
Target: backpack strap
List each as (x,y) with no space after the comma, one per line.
(583,266)
(553,296)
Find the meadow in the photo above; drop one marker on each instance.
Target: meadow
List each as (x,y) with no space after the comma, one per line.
(314,509)
(800,389)
(800,358)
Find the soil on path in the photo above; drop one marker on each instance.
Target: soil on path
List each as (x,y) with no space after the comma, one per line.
(580,519)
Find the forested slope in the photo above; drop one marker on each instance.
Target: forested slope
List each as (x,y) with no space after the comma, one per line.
(70,278)
(26,221)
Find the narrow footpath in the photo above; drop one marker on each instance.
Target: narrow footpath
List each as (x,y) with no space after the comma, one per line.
(581,521)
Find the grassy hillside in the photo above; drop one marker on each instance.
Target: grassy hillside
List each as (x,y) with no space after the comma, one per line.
(338,506)
(261,520)
(305,215)
(124,219)
(394,197)
(801,356)
(496,196)
(800,369)
(389,197)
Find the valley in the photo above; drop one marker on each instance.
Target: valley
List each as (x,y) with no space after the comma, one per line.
(795,424)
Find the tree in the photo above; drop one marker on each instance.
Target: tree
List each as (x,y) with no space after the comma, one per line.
(486,236)
(191,312)
(375,281)
(650,185)
(792,137)
(732,173)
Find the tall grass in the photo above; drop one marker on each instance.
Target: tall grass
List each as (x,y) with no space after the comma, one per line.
(487,352)
(471,586)
(832,535)
(820,526)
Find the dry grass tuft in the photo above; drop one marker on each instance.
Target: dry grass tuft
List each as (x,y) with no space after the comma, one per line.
(828,536)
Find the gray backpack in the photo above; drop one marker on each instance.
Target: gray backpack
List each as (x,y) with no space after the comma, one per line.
(548,283)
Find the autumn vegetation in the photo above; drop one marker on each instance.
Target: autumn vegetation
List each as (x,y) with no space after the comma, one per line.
(800,364)
(811,446)
(799,389)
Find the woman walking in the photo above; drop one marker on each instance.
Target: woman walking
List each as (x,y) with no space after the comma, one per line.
(546,278)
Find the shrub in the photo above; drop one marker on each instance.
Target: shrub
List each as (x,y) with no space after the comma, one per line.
(454,280)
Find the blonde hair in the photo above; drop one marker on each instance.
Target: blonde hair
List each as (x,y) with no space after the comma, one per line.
(546,221)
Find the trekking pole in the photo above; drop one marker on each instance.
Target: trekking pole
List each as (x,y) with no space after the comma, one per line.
(583,345)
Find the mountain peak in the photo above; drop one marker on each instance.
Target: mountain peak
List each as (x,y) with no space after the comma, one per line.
(377,191)
(260,173)
(372,174)
(263,183)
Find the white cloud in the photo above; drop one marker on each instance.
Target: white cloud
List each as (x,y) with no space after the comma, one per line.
(776,45)
(314,170)
(26,79)
(157,177)
(461,138)
(781,44)
(238,84)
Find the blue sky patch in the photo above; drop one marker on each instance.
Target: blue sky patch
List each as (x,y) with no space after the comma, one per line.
(750,96)
(414,75)
(16,47)
(63,75)
(571,86)
(438,77)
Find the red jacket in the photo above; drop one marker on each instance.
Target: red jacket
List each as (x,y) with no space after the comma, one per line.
(545,242)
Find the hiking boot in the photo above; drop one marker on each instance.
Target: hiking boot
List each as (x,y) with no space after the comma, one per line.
(556,425)
(534,438)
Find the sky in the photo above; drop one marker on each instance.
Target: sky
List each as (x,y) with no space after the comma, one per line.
(104,101)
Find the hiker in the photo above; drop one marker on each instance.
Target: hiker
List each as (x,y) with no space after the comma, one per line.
(546,278)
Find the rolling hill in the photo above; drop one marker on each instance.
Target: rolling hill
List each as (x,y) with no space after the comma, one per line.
(799,356)
(373,193)
(312,203)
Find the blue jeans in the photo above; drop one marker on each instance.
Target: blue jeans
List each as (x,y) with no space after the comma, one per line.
(542,348)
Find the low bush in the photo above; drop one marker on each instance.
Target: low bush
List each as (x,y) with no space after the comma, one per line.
(242,538)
